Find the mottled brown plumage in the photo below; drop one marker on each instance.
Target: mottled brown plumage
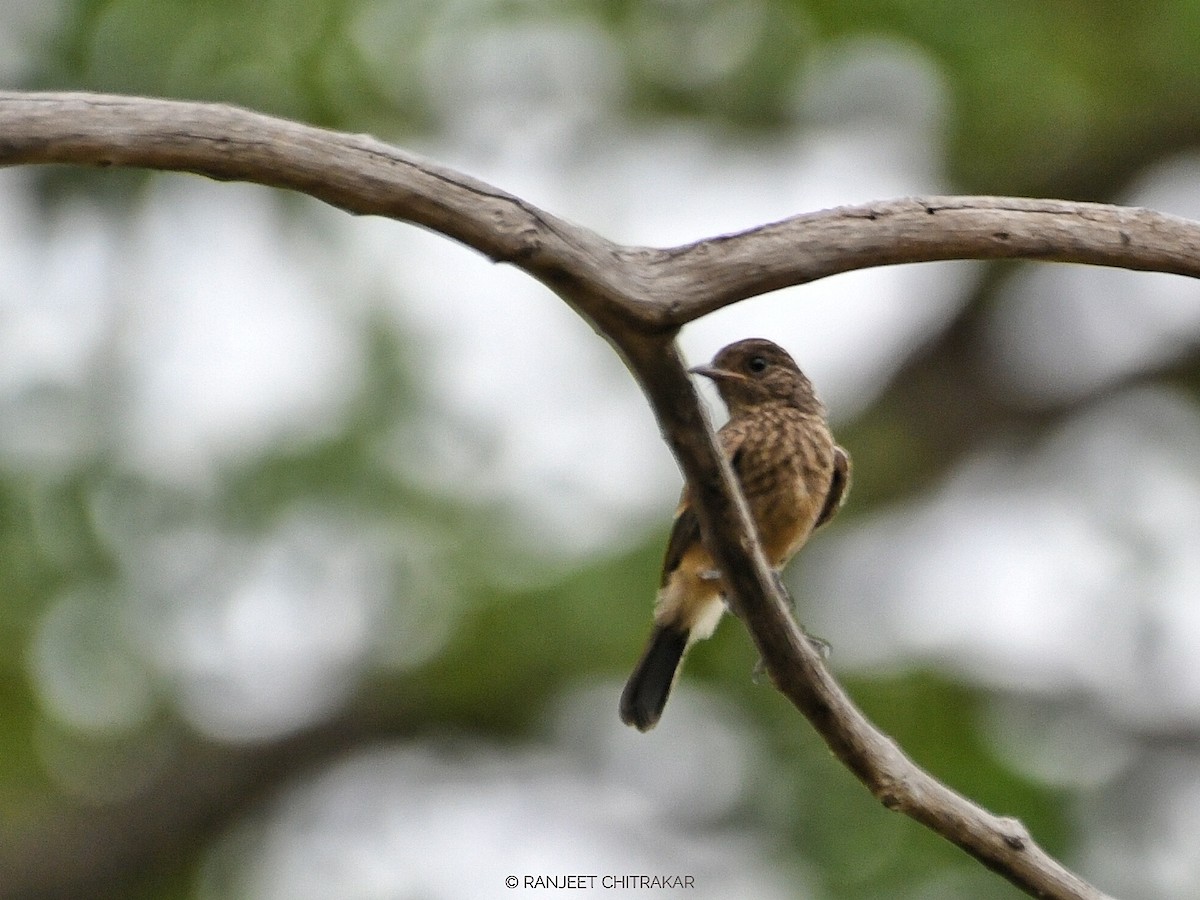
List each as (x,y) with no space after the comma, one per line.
(794,478)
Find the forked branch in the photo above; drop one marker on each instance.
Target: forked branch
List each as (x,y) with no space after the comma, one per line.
(637,298)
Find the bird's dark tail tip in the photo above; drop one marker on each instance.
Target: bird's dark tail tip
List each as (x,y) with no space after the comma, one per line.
(648,687)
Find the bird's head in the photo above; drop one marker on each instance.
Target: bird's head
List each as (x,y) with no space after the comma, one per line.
(756,371)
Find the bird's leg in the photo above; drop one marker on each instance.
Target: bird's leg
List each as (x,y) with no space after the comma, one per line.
(784,592)
(821,645)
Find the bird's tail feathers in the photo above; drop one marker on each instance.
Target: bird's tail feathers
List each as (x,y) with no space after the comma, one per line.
(648,687)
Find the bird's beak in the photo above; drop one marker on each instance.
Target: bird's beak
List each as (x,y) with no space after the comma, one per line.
(716,374)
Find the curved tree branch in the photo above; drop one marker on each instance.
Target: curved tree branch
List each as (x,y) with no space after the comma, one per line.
(637,298)
(925,229)
(615,286)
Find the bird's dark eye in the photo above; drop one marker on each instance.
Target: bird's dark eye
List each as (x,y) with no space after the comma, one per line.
(756,364)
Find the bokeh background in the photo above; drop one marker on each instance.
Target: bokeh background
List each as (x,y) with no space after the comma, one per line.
(325,545)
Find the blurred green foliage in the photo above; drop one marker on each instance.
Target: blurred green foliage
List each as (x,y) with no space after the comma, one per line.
(1072,95)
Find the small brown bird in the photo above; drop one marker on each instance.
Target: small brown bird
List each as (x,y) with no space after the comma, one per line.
(794,478)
